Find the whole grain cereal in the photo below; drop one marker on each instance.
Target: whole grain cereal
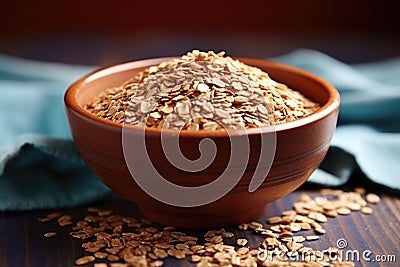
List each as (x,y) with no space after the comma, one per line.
(201,91)
(114,240)
(50,234)
(372,198)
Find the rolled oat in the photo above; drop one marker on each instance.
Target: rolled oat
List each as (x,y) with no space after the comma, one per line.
(201,91)
(117,241)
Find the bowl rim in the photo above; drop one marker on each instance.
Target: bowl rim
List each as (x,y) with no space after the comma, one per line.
(71,102)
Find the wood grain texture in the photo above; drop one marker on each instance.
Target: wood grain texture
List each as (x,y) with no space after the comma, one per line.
(22,242)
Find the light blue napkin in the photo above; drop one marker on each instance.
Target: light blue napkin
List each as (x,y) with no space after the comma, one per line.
(369,117)
(40,167)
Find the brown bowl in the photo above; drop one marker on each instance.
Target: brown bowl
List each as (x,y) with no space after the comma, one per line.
(300,147)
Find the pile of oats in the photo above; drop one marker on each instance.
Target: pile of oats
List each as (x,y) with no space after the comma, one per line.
(114,240)
(202,91)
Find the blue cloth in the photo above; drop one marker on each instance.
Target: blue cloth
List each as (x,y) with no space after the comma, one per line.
(39,164)
(40,167)
(369,117)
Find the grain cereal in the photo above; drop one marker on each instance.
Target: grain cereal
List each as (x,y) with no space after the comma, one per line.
(112,240)
(201,91)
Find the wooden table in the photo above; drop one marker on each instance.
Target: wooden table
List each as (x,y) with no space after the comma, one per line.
(22,242)
(21,234)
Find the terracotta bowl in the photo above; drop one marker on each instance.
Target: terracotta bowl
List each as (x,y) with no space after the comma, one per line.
(299,148)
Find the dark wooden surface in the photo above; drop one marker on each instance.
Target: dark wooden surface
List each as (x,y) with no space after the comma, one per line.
(22,242)
(32,31)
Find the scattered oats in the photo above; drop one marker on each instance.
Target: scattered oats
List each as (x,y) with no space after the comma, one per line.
(312,237)
(366,210)
(179,254)
(228,234)
(64,220)
(331,213)
(295,227)
(50,234)
(156,263)
(169,228)
(104,212)
(343,211)
(113,257)
(315,225)
(285,234)
(305,198)
(255,225)
(241,242)
(286,228)
(243,250)
(331,192)
(359,190)
(50,217)
(372,198)
(319,217)
(299,239)
(243,226)
(305,226)
(289,212)
(216,239)
(276,228)
(362,202)
(106,236)
(195,258)
(100,255)
(353,205)
(160,253)
(320,231)
(84,260)
(274,220)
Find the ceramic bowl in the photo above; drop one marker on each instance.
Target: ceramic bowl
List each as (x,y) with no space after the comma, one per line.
(299,147)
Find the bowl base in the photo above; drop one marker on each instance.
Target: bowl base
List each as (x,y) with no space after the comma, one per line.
(200,220)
